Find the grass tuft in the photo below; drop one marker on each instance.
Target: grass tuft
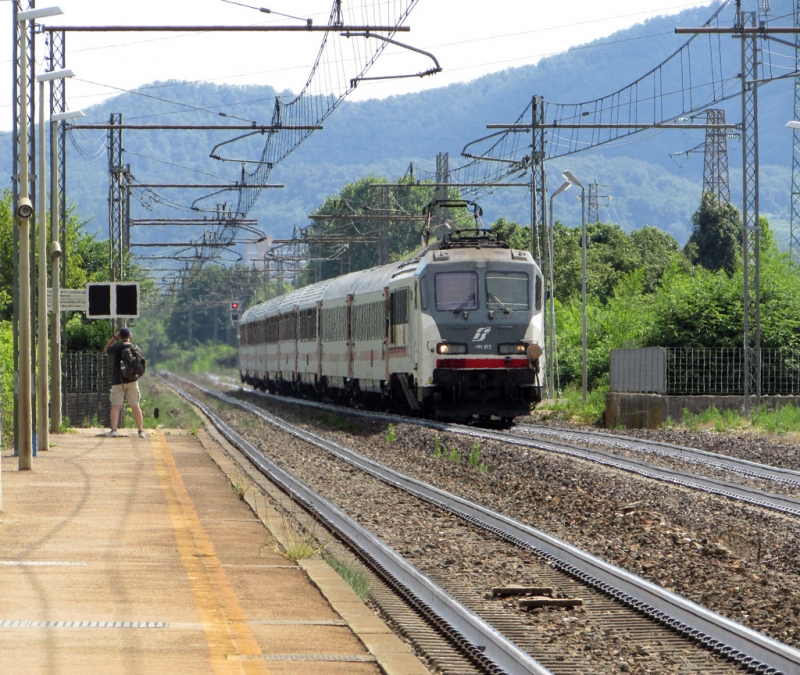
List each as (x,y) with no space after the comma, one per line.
(437,447)
(295,541)
(782,420)
(240,484)
(352,574)
(571,407)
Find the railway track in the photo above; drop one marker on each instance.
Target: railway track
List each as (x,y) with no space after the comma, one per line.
(756,491)
(661,616)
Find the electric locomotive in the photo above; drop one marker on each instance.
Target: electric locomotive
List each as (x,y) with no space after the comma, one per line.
(454,333)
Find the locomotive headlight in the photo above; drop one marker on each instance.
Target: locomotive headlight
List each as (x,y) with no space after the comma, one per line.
(450,348)
(518,348)
(534,351)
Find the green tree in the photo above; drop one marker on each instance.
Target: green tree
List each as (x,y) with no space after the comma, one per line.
(200,312)
(518,236)
(6,256)
(350,238)
(716,239)
(658,251)
(87,259)
(611,254)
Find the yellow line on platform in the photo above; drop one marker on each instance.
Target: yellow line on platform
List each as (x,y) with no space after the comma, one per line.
(225,626)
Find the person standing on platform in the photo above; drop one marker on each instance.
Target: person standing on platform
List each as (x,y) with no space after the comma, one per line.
(120,389)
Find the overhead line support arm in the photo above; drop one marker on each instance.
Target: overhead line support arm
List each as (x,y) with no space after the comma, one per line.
(221,29)
(560,125)
(750,30)
(201,127)
(211,186)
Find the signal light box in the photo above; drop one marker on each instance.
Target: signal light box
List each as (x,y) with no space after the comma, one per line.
(114,300)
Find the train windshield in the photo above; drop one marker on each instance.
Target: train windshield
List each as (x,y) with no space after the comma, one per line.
(508,291)
(456,291)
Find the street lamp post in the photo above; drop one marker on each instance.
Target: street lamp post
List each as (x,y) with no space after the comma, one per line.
(42,430)
(551,353)
(23,214)
(55,272)
(568,175)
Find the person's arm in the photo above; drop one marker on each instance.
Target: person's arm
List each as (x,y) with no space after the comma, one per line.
(110,342)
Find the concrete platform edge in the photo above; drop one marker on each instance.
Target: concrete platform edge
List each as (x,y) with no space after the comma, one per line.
(393,656)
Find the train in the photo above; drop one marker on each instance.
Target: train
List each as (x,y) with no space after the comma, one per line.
(455,333)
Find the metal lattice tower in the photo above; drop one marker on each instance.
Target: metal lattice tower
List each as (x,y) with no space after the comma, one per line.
(58,104)
(540,231)
(118,201)
(794,227)
(441,191)
(715,158)
(383,226)
(539,235)
(750,228)
(593,208)
(593,205)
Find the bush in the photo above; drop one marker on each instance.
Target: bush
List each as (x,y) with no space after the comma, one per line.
(208,358)
(6,381)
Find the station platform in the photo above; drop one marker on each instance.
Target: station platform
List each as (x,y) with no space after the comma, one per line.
(137,556)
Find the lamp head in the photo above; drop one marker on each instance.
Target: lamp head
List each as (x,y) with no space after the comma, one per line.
(71,115)
(50,75)
(39,13)
(55,250)
(568,175)
(24,208)
(564,186)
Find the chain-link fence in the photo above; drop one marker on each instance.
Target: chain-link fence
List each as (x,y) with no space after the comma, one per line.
(720,372)
(86,383)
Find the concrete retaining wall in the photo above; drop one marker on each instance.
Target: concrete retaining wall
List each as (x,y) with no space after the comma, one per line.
(650,411)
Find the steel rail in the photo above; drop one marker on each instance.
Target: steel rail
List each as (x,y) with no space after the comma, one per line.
(695,455)
(479,639)
(720,634)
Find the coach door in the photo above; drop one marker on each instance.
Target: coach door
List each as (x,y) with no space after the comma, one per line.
(349,337)
(399,327)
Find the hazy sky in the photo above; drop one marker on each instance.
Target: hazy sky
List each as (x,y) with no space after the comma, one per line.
(469,38)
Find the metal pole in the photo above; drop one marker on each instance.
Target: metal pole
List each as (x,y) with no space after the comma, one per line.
(583,290)
(55,273)
(42,437)
(25,417)
(550,342)
(551,353)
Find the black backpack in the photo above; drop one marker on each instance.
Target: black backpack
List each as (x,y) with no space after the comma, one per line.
(132,363)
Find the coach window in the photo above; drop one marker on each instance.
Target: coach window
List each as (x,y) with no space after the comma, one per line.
(539,291)
(423,293)
(508,291)
(456,291)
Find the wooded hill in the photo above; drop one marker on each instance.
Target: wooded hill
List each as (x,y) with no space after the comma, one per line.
(383,137)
